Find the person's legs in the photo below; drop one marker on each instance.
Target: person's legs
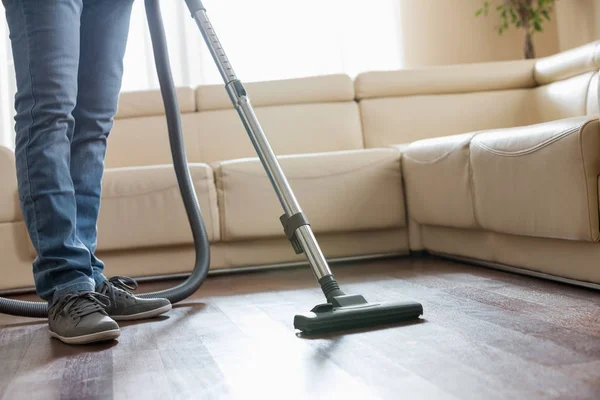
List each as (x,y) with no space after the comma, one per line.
(45,43)
(104,32)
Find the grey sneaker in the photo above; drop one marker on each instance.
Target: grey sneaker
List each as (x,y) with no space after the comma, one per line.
(124,305)
(79,318)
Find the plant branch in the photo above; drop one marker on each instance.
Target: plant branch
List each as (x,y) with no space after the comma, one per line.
(528,15)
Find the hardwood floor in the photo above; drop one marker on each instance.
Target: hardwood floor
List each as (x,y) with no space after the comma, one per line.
(485,335)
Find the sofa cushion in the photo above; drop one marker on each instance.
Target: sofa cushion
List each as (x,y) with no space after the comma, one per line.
(338,192)
(16,256)
(539,180)
(9,197)
(437,175)
(142,206)
(130,135)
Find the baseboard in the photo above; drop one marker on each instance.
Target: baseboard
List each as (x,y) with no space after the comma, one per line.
(517,270)
(240,270)
(348,260)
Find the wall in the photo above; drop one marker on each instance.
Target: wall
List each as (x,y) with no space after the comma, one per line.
(596,20)
(578,22)
(436,32)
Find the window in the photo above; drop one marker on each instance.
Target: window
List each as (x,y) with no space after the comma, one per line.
(264,40)
(7,88)
(269,39)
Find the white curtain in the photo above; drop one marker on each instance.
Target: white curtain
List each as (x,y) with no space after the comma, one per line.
(264,40)
(7,87)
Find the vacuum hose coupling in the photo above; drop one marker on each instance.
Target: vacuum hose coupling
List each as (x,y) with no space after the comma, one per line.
(195,6)
(236,91)
(330,287)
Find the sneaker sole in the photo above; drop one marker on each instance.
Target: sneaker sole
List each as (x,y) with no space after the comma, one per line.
(90,338)
(143,315)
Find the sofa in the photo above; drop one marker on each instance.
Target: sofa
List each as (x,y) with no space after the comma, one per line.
(494,163)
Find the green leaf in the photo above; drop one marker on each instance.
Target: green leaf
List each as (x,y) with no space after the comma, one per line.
(513,14)
(546,14)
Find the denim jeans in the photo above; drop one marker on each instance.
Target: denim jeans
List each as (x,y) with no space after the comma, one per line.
(68,58)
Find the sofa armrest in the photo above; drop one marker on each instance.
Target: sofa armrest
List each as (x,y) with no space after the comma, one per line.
(539,180)
(9,200)
(568,64)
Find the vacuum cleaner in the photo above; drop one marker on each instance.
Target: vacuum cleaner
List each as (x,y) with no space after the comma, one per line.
(340,311)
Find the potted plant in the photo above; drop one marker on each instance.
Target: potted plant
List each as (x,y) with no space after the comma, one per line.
(528,15)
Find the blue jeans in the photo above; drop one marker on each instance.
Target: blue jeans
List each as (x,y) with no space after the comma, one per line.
(68,57)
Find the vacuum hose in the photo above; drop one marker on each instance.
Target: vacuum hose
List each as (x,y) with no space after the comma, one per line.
(202,247)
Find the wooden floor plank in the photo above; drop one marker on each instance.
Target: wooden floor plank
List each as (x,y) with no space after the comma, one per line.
(485,334)
(535,322)
(273,361)
(88,376)
(39,373)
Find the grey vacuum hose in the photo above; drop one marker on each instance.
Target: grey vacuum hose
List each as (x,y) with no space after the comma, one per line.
(177,293)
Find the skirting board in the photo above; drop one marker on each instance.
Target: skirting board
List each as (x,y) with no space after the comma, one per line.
(516,270)
(239,270)
(345,260)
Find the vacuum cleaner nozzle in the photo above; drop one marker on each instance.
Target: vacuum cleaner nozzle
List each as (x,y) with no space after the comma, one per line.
(354,312)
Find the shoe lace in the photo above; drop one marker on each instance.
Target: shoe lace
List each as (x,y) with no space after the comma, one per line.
(118,284)
(80,304)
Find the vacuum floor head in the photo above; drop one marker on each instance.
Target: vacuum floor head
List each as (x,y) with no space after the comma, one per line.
(327,317)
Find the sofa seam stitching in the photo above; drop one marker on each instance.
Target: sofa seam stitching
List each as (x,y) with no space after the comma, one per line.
(445,155)
(216,230)
(472,187)
(210,211)
(585,183)
(533,149)
(361,123)
(219,177)
(403,195)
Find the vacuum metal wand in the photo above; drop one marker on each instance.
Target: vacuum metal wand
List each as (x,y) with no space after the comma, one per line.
(299,230)
(341,311)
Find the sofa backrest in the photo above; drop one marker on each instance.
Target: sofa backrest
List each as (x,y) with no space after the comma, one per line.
(139,136)
(402,106)
(399,107)
(303,115)
(378,108)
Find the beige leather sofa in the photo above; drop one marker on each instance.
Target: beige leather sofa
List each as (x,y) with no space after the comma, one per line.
(496,163)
